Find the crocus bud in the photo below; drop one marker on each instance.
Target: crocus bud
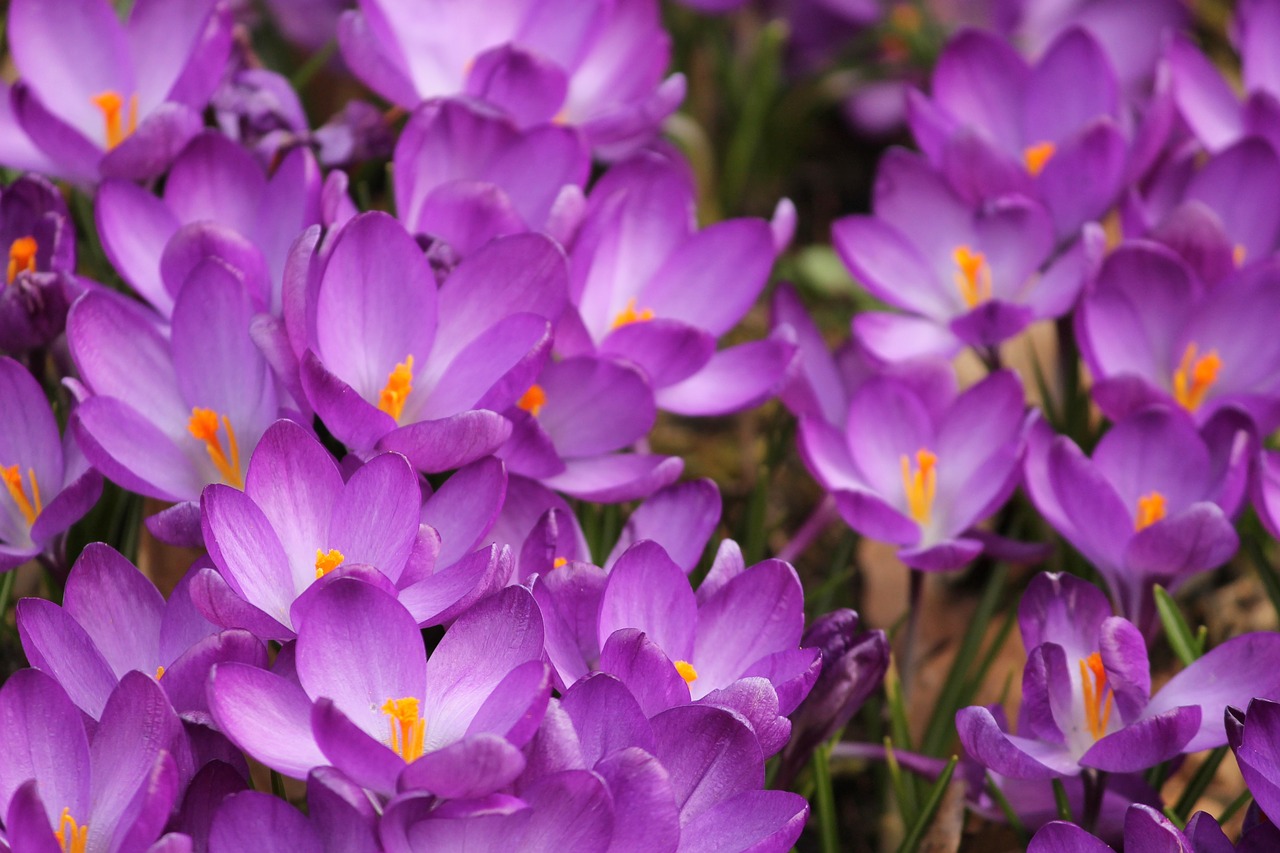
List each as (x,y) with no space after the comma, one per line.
(853,665)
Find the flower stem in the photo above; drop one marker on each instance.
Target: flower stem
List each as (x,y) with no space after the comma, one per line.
(823,514)
(825,796)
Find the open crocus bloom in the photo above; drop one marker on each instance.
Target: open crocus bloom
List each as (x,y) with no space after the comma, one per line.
(1153,505)
(1145,830)
(46,483)
(98,98)
(595,64)
(921,472)
(369,702)
(1086,691)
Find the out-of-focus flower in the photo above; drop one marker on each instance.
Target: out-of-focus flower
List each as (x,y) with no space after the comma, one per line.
(648,286)
(39,281)
(1086,691)
(594,64)
(968,276)
(367,700)
(1255,739)
(1145,829)
(464,173)
(921,471)
(83,646)
(1152,332)
(1153,505)
(48,485)
(98,98)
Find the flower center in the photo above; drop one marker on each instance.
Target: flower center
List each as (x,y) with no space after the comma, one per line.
(399,385)
(159,672)
(629,315)
(204,427)
(973,275)
(1151,508)
(533,400)
(1238,253)
(1195,376)
(326,563)
(558,562)
(920,483)
(1037,156)
(118,126)
(407,728)
(72,837)
(22,256)
(29,505)
(1097,695)
(687,672)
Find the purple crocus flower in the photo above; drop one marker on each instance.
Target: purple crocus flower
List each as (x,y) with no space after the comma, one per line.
(340,819)
(217,200)
(734,643)
(465,174)
(392,361)
(969,277)
(996,125)
(297,521)
(104,99)
(368,701)
(1255,739)
(1208,103)
(48,485)
(1086,691)
(921,472)
(39,279)
(63,787)
(1153,505)
(82,645)
(597,65)
(161,417)
(567,426)
(1151,331)
(649,287)
(1145,830)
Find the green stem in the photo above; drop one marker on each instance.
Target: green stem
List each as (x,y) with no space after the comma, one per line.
(827,827)
(6,590)
(916,835)
(1199,783)
(277,785)
(312,66)
(1063,802)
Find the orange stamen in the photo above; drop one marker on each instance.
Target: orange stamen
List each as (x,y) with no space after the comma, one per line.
(920,484)
(687,672)
(204,427)
(22,256)
(1151,508)
(533,400)
(72,837)
(159,673)
(973,275)
(558,562)
(1238,254)
(29,505)
(326,563)
(1037,156)
(1195,376)
(399,385)
(630,315)
(1097,695)
(112,105)
(407,729)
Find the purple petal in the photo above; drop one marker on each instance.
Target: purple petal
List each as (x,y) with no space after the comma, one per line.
(448,443)
(55,643)
(251,820)
(736,378)
(647,672)
(569,600)
(477,765)
(265,715)
(516,706)
(648,591)
(1145,743)
(118,606)
(615,478)
(46,742)
(1008,755)
(751,821)
(710,755)
(364,757)
(758,613)
(680,518)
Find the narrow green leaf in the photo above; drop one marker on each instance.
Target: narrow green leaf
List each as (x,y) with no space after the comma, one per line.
(931,803)
(903,787)
(1199,783)
(1015,822)
(826,805)
(1176,630)
(1063,803)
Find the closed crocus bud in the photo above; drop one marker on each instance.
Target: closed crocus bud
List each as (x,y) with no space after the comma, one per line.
(853,665)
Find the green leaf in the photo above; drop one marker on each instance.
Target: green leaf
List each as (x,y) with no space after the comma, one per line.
(931,803)
(1181,640)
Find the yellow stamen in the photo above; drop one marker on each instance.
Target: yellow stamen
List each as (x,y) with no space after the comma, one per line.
(399,385)
(1113,230)
(22,256)
(920,484)
(630,315)
(29,505)
(159,673)
(533,400)
(72,837)
(973,275)
(1097,695)
(1151,508)
(112,105)
(1238,254)
(1037,156)
(558,562)
(326,563)
(1195,376)
(204,427)
(687,672)
(407,729)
